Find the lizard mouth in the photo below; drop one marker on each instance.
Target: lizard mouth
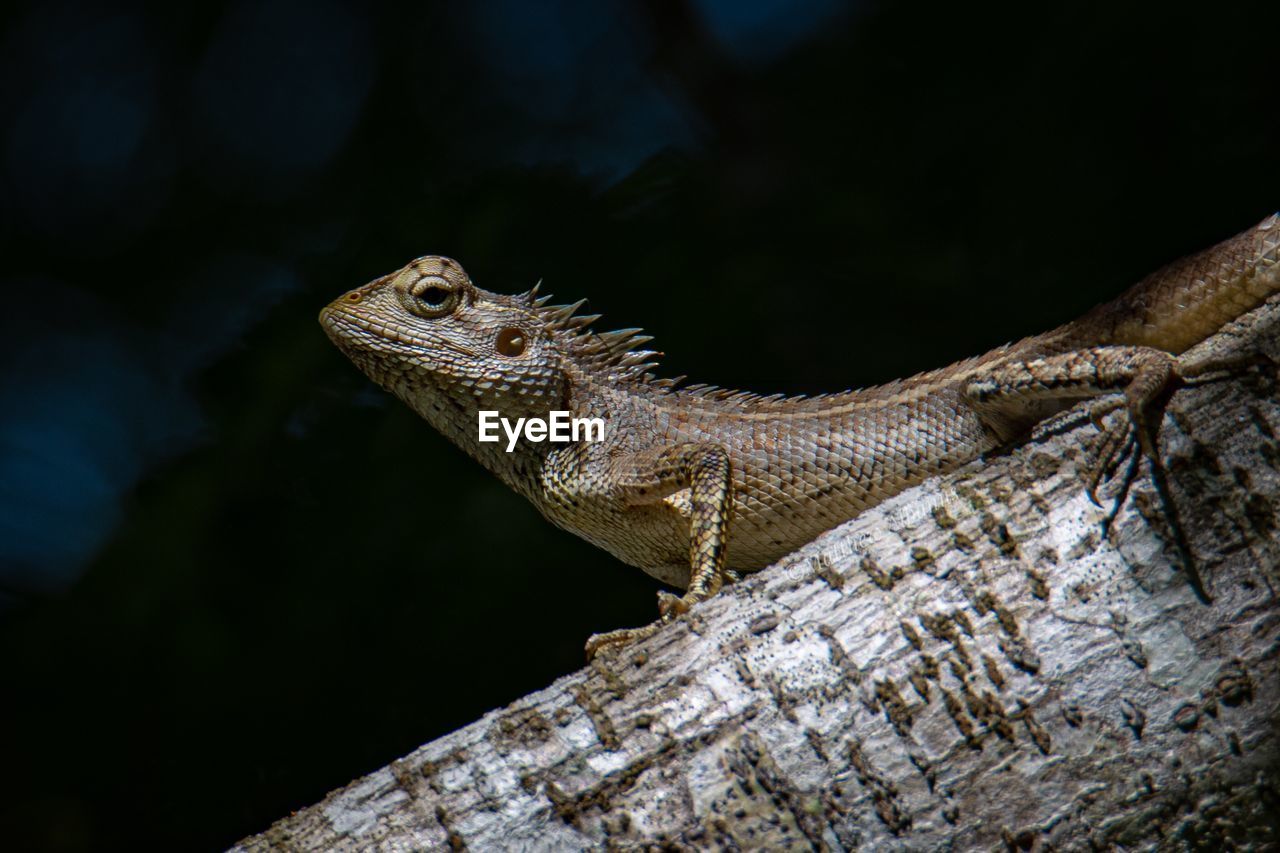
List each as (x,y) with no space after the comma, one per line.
(342,328)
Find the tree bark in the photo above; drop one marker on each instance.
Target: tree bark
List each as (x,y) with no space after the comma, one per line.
(972,664)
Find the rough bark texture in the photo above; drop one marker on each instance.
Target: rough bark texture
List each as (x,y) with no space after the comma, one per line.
(972,664)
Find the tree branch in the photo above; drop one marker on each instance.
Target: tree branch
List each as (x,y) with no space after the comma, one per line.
(970,663)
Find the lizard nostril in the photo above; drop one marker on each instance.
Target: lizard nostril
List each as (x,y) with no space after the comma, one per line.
(353,296)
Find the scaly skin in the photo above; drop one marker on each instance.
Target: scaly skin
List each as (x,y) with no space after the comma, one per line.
(698,484)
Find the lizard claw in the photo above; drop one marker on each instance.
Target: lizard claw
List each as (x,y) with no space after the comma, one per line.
(1133,436)
(1117,441)
(597,643)
(670,606)
(1099,410)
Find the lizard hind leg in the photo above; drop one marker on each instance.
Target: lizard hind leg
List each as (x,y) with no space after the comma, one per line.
(1140,379)
(1144,400)
(1146,377)
(1116,440)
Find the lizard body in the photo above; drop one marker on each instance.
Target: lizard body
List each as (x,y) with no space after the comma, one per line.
(698,484)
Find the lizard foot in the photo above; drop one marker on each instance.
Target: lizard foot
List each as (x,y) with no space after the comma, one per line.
(1140,380)
(1133,435)
(1139,426)
(1135,428)
(1095,413)
(1116,442)
(1203,369)
(619,638)
(670,608)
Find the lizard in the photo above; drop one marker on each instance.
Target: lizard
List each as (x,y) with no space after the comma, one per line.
(698,485)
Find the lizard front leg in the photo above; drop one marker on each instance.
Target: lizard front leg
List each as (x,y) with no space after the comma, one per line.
(649,476)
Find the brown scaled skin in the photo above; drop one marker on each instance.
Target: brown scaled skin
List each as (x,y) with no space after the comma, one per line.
(696,485)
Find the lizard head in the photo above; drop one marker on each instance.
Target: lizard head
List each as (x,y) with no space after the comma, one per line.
(450,349)
(446,347)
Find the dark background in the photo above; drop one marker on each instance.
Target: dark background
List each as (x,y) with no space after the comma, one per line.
(234,575)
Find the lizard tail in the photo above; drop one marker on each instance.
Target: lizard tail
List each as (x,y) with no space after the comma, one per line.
(1176,307)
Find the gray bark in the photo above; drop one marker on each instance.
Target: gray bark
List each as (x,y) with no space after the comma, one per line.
(972,664)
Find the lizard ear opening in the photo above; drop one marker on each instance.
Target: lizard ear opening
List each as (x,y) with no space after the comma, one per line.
(511,342)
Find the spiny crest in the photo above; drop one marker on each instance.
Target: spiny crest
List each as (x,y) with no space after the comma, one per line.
(728,395)
(618,350)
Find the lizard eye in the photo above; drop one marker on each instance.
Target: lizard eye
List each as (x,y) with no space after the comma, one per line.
(511,342)
(431,296)
(434,296)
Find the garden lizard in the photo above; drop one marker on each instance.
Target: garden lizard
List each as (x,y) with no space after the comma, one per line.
(698,484)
